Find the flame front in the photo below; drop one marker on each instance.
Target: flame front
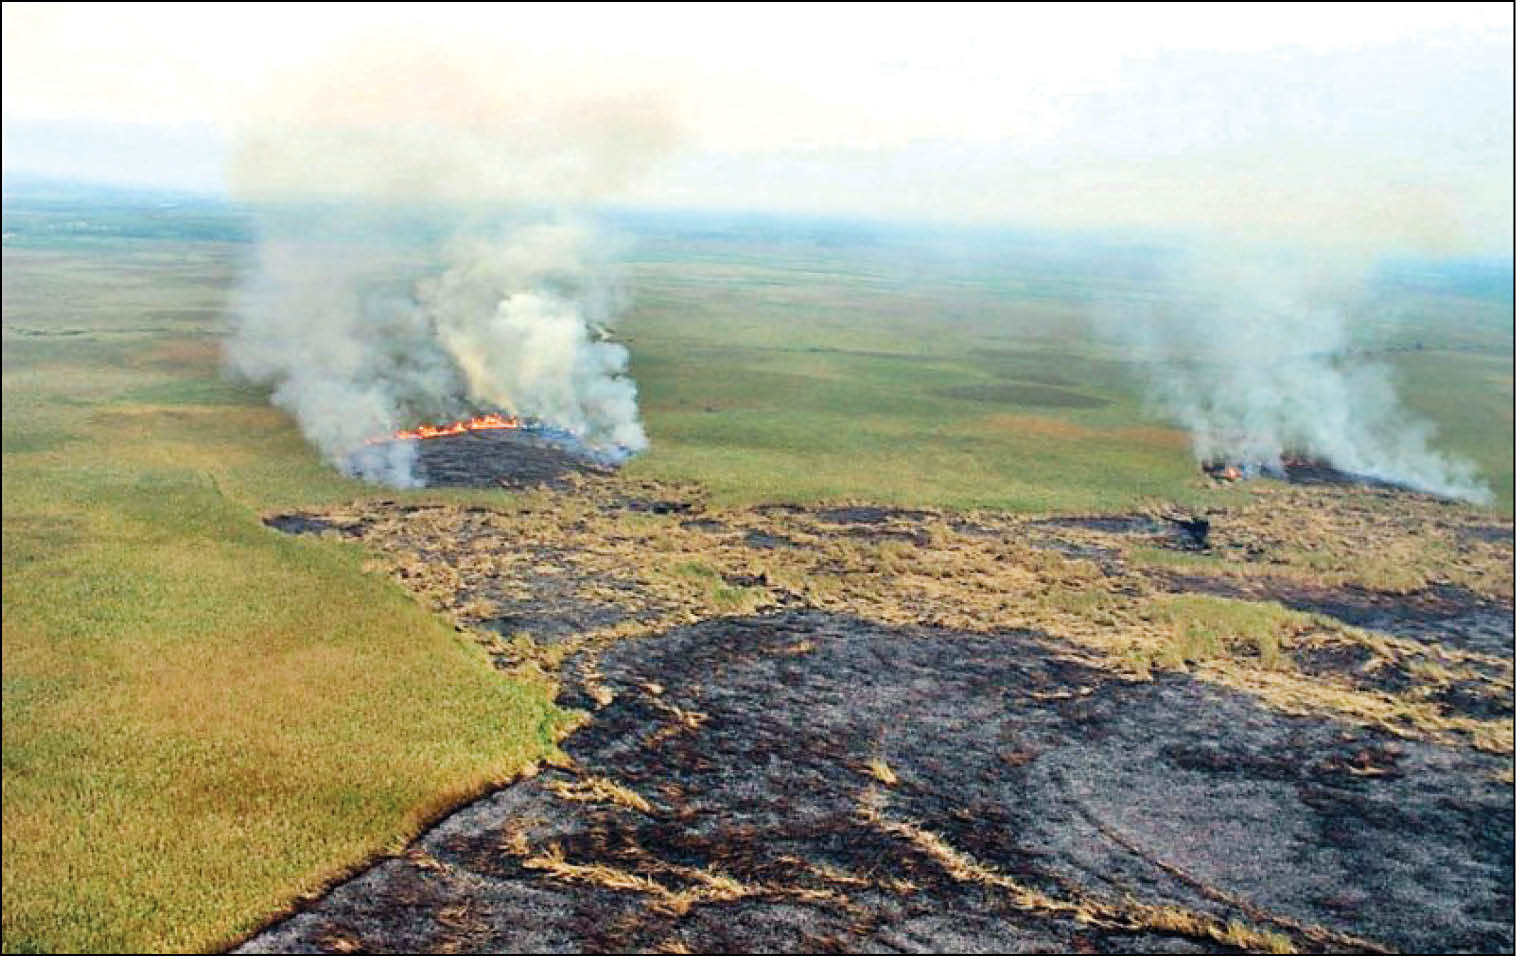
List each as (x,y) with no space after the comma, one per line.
(479,423)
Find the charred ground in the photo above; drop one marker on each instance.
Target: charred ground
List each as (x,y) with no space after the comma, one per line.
(856,727)
(499,458)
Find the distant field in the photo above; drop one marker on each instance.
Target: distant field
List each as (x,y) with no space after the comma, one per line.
(827,364)
(204,718)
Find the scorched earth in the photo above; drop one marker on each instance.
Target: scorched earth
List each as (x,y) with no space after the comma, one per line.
(860,728)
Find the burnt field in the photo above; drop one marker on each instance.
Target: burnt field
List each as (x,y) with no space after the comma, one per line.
(499,458)
(862,728)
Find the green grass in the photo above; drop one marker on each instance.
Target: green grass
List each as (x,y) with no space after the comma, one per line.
(1467,395)
(806,422)
(781,379)
(1206,627)
(203,718)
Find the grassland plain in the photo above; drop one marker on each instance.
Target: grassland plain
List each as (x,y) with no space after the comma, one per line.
(829,364)
(205,719)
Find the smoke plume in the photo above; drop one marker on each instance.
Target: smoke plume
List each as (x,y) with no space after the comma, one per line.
(1252,353)
(358,341)
(406,272)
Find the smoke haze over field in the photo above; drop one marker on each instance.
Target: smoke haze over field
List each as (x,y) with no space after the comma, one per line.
(1251,354)
(419,289)
(359,341)
(1385,131)
(1389,124)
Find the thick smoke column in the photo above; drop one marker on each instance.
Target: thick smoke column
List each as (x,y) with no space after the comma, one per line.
(1251,353)
(388,288)
(524,322)
(355,348)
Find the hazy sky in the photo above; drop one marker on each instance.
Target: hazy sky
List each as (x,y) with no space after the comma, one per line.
(1388,124)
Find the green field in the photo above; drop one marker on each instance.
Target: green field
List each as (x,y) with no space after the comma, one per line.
(909,369)
(205,718)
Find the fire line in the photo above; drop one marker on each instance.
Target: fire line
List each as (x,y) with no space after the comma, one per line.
(479,423)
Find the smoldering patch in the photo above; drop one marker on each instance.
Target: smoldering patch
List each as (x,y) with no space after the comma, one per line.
(516,458)
(369,343)
(1256,355)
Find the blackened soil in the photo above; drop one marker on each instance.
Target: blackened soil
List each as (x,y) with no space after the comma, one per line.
(1441,614)
(1445,616)
(661,506)
(556,609)
(1309,472)
(296,523)
(867,515)
(1321,473)
(1357,663)
(506,458)
(554,615)
(1181,534)
(757,539)
(1488,533)
(1113,524)
(791,764)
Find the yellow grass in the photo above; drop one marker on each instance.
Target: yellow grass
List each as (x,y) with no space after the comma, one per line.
(1130,914)
(882,772)
(601,790)
(1123,619)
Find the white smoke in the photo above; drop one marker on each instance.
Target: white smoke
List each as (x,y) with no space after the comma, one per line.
(524,323)
(386,293)
(355,348)
(1252,353)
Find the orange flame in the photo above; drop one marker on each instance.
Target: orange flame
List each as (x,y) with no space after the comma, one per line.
(479,423)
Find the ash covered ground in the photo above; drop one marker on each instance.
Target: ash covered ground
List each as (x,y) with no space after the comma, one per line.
(861,728)
(503,458)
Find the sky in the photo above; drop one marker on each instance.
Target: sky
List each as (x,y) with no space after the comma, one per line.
(1389,125)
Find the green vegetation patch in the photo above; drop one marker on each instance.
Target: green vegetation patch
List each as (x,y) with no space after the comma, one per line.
(198,392)
(851,374)
(204,718)
(1206,627)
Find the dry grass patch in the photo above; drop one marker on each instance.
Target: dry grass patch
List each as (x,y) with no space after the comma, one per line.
(882,772)
(601,790)
(1129,914)
(1385,541)
(982,574)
